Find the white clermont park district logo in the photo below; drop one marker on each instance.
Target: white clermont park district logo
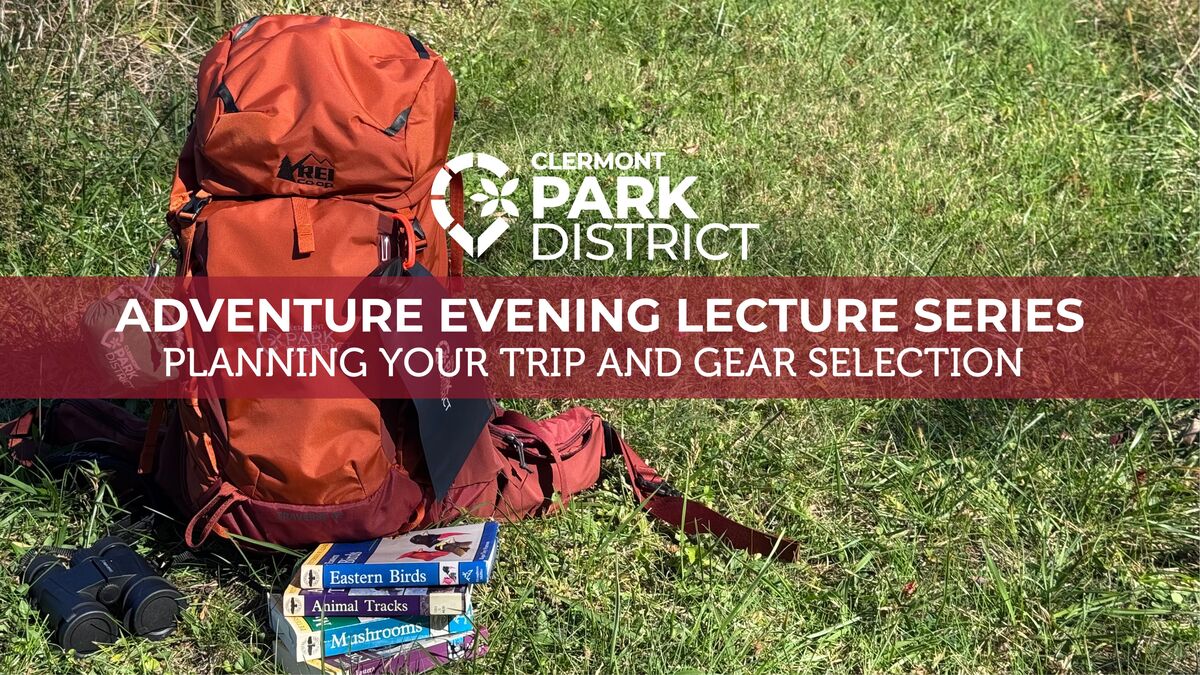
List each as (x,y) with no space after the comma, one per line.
(616,212)
(495,198)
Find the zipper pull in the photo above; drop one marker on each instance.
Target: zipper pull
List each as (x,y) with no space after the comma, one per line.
(518,445)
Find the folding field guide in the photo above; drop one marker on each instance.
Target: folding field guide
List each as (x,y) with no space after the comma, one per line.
(408,658)
(310,638)
(444,556)
(438,600)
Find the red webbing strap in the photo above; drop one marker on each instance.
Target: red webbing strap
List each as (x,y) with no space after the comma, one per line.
(302,218)
(663,502)
(453,251)
(210,514)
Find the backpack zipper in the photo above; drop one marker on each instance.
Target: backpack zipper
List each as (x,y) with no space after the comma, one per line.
(518,445)
(512,440)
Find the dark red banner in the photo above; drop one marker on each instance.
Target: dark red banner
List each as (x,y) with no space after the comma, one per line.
(607,337)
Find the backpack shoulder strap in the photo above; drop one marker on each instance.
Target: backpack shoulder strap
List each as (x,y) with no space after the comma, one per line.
(667,504)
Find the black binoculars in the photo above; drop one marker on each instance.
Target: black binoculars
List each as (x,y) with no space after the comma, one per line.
(104,581)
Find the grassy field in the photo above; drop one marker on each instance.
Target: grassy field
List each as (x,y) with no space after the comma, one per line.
(909,137)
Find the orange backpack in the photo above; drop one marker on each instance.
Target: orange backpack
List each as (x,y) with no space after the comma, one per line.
(314,147)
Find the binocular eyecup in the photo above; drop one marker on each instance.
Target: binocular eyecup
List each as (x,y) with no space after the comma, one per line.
(152,607)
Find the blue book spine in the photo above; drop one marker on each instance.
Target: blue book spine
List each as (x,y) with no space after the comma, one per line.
(475,572)
(394,575)
(379,575)
(381,563)
(385,632)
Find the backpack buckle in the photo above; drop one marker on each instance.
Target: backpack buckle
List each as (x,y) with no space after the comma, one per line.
(191,208)
(518,445)
(661,487)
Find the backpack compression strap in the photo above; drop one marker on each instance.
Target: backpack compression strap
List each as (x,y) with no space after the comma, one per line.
(667,504)
(458,211)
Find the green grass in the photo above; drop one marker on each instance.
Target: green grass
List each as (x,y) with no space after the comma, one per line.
(905,137)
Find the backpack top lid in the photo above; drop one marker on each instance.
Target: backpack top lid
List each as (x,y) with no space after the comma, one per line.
(317,107)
